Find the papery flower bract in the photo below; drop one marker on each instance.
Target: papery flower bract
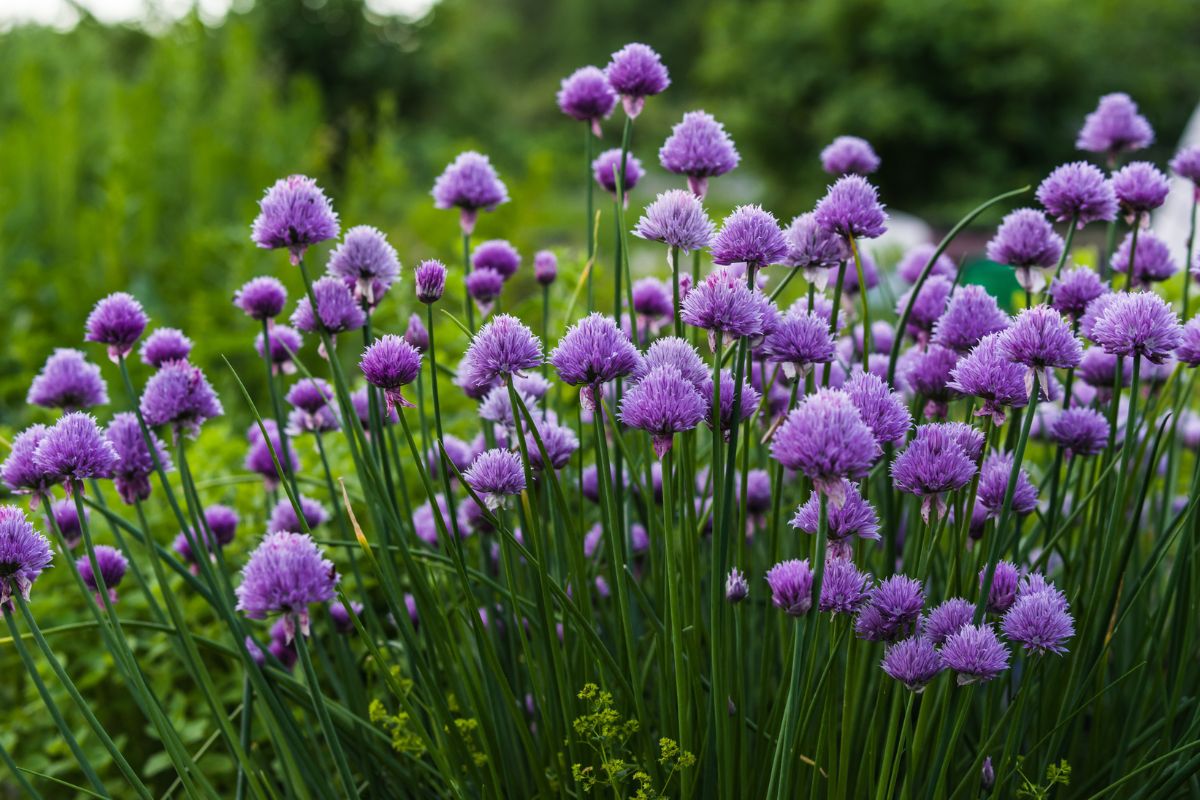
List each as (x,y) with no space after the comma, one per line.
(677,219)
(1027,242)
(117,321)
(825,438)
(586,95)
(74,450)
(24,553)
(975,653)
(1041,339)
(336,309)
(791,585)
(545,267)
(993,484)
(663,403)
(592,352)
(1080,431)
(635,73)
(1039,622)
(294,213)
(284,343)
(1139,324)
(112,564)
(470,184)
(284,518)
(607,167)
(948,618)
(699,148)
(494,474)
(1152,262)
(987,373)
(498,255)
(883,411)
(1078,191)
(849,155)
(286,573)
(723,305)
(430,281)
(1071,292)
(502,347)
(913,661)
(132,473)
(261,298)
(914,261)
(970,315)
(20,470)
(933,463)
(1114,127)
(1139,187)
(851,207)
(366,262)
(391,363)
(68,381)
(749,236)
(1188,351)
(180,396)
(844,589)
(798,342)
(737,588)
(893,610)
(927,307)
(163,345)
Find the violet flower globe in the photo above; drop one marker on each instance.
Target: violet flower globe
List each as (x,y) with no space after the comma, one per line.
(471,185)
(849,155)
(1026,242)
(677,219)
(607,168)
(1115,127)
(851,208)
(893,611)
(1139,324)
(545,267)
(855,517)
(844,589)
(1186,164)
(1139,187)
(498,255)
(1152,263)
(390,363)
(737,588)
(180,396)
(591,353)
(724,306)
(663,403)
(284,517)
(791,585)
(1074,289)
(1188,351)
(24,554)
(261,298)
(586,95)
(635,73)
(814,249)
(286,574)
(117,321)
(496,474)
(294,213)
(915,260)
(749,236)
(366,262)
(987,373)
(1078,191)
(68,381)
(112,564)
(1080,431)
(975,653)
(279,345)
(798,342)
(132,473)
(932,464)
(484,285)
(825,438)
(913,662)
(430,281)
(74,450)
(20,470)
(970,316)
(1041,340)
(163,345)
(947,619)
(699,148)
(337,310)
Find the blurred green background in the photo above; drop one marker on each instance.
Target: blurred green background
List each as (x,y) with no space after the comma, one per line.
(134,161)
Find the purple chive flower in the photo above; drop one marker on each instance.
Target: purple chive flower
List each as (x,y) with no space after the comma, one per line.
(132,473)
(593,352)
(635,73)
(494,474)
(586,95)
(652,298)
(294,213)
(430,280)
(391,363)
(870,272)
(606,168)
(1039,622)
(993,483)
(283,516)
(282,647)
(24,553)
(1080,431)
(814,249)
(20,470)
(1152,262)
(117,321)
(933,463)
(366,263)
(750,398)
(425,524)
(459,452)
(1005,583)
(849,155)
(1139,187)
(416,334)
(1078,191)
(913,264)
(74,450)
(560,443)
(1139,324)
(112,564)
(737,588)
(222,521)
(284,343)
(1041,339)
(986,373)
(971,315)
(855,517)
(1114,127)
(947,619)
(975,654)
(497,407)
(258,457)
(342,621)
(545,267)
(1027,242)
(1188,351)
(335,306)
(286,574)
(724,306)
(165,344)
(893,610)
(1071,292)
(798,342)
(361,400)
(66,517)
(928,307)
(677,219)
(699,148)
(914,662)
(825,438)
(261,298)
(502,347)
(844,589)
(68,381)
(1098,369)
(484,286)
(663,404)
(791,585)
(310,394)
(471,185)
(851,207)
(758,491)
(1186,164)
(883,411)
(749,236)
(679,353)
(498,255)
(1095,310)
(883,336)
(532,384)
(968,437)
(180,396)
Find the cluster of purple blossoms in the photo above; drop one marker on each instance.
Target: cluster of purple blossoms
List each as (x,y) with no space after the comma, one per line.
(586,95)
(294,213)
(791,585)
(545,267)
(720,410)
(117,321)
(607,169)
(112,564)
(1040,619)
(851,209)
(591,353)
(814,249)
(367,263)
(677,219)
(994,479)
(180,396)
(855,517)
(971,315)
(131,475)
(1139,187)
(261,298)
(284,517)
(495,474)
(24,553)
(390,363)
(663,403)
(68,381)
(725,306)
(1078,191)
(892,611)
(501,348)
(1188,351)
(1152,261)
(430,280)
(1073,290)
(163,345)
(799,341)
(699,148)
(1139,324)
(286,574)
(913,263)
(849,155)
(1080,431)
(1115,127)
(471,185)
(749,236)
(844,589)
(279,344)
(74,450)
(883,410)
(935,462)
(826,439)
(1026,242)
(975,653)
(1041,340)
(635,73)
(337,310)
(927,307)
(913,662)
(988,374)
(264,451)
(737,588)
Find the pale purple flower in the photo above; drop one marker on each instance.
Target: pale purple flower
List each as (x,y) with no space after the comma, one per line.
(814,249)
(294,213)
(975,654)
(1186,163)
(259,457)
(677,219)
(968,437)
(913,661)
(284,518)
(470,184)
(261,298)
(425,525)
(1039,622)
(928,374)
(1041,339)
(851,207)
(74,449)
(987,373)
(1078,191)
(68,381)
(870,271)
(855,517)
(1099,370)
(1027,242)
(652,298)
(948,618)
(498,255)
(993,483)
(1095,310)
(1140,187)
(495,474)
(117,321)
(737,588)
(336,308)
(502,347)
(1139,324)
(883,410)
(1188,351)
(723,305)
(391,363)
(678,353)
(416,334)
(180,396)
(1005,583)
(749,236)
(971,315)
(20,470)
(1115,127)
(893,611)
(430,280)
(699,148)
(798,342)
(635,73)
(883,336)
(1071,292)
(545,267)
(286,573)
(484,286)
(586,95)
(310,394)
(844,589)
(497,407)
(927,307)
(66,517)
(132,473)
(749,402)
(560,443)
(1152,262)
(1080,431)
(606,169)
(933,463)
(366,262)
(914,261)
(849,155)
(24,553)
(163,345)
(222,521)
(663,403)
(112,564)
(593,352)
(825,438)
(791,585)
(342,621)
